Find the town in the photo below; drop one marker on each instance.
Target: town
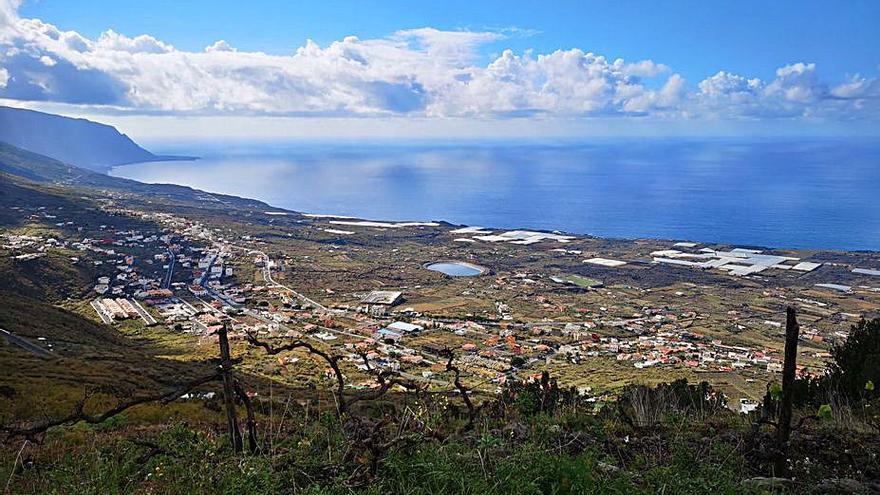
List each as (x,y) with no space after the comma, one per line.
(596,314)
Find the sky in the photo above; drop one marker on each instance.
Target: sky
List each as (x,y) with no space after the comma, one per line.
(447,69)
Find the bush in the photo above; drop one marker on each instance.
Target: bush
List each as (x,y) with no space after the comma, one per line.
(537,396)
(640,405)
(856,366)
(850,378)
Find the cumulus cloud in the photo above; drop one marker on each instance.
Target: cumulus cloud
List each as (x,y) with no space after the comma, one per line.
(857,88)
(723,84)
(425,72)
(796,91)
(567,82)
(110,41)
(799,83)
(8,13)
(220,46)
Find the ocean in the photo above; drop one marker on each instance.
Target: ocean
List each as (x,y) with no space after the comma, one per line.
(822,194)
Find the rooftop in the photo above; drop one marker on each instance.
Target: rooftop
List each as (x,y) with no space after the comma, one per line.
(382,297)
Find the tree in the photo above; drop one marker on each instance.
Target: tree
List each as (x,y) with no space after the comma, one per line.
(856,362)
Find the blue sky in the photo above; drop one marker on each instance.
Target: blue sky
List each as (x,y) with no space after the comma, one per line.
(698,38)
(564,65)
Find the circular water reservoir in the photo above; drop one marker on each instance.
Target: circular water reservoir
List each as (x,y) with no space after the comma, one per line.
(455,268)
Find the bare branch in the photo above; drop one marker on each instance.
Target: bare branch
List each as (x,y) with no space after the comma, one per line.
(386,379)
(251,419)
(462,390)
(332,361)
(79,413)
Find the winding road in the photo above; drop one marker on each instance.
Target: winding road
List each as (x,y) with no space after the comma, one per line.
(24,343)
(267,276)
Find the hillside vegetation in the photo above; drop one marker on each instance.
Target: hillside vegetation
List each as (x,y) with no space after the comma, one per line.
(402,446)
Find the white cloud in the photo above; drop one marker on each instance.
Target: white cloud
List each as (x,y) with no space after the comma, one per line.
(451,47)
(8,12)
(797,91)
(724,84)
(798,82)
(858,87)
(645,68)
(220,46)
(422,72)
(112,41)
(565,82)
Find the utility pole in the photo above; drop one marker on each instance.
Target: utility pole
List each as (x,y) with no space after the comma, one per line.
(226,364)
(789,366)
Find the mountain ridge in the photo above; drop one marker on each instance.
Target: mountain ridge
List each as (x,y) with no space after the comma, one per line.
(26,167)
(81,142)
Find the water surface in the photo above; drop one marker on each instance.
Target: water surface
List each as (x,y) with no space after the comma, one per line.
(454,269)
(803,194)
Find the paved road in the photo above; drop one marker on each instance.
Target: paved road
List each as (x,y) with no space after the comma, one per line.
(267,276)
(147,317)
(24,343)
(104,317)
(166,283)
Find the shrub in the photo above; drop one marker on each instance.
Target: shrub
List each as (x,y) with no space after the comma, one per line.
(641,405)
(536,396)
(856,365)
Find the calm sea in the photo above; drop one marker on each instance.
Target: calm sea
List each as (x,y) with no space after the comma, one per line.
(799,194)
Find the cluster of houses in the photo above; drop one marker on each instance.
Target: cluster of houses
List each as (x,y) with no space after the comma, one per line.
(687,349)
(111,310)
(140,278)
(654,337)
(37,246)
(12,241)
(657,337)
(656,341)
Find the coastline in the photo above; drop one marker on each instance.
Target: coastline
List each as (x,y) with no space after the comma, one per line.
(710,193)
(363,221)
